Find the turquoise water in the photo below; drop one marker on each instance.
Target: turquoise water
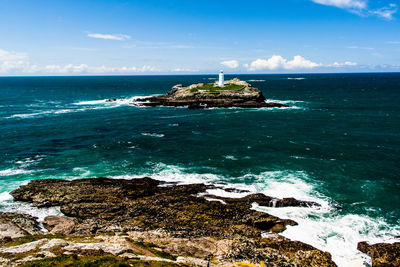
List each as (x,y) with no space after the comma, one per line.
(339,145)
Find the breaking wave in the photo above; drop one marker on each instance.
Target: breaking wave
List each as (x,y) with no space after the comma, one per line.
(297,79)
(79,107)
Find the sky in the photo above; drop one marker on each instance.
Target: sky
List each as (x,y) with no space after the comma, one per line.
(115,37)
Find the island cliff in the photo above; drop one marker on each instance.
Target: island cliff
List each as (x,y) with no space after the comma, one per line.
(235,93)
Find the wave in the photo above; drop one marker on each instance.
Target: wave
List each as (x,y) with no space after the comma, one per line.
(86,106)
(14,171)
(322,227)
(113,102)
(256,80)
(230,157)
(153,134)
(49,113)
(298,78)
(8,205)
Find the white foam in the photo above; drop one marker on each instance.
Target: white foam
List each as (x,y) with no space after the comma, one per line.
(91,102)
(291,102)
(256,80)
(14,171)
(298,79)
(116,102)
(7,204)
(82,171)
(230,157)
(153,134)
(98,104)
(5,196)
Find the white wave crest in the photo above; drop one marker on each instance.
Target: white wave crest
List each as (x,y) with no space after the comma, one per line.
(298,78)
(256,80)
(112,102)
(153,134)
(14,171)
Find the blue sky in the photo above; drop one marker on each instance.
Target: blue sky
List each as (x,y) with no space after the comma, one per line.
(178,37)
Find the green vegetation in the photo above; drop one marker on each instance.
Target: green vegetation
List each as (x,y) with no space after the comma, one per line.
(152,248)
(75,261)
(210,87)
(30,238)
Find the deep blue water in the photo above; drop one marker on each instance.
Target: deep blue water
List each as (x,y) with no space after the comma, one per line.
(339,145)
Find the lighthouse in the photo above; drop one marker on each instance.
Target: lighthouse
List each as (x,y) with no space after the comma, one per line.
(221,79)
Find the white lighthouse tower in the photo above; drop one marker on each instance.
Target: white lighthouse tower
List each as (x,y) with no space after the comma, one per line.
(221,79)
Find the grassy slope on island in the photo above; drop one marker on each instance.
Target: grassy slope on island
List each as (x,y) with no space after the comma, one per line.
(210,87)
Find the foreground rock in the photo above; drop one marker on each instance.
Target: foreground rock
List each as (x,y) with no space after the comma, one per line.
(148,220)
(237,94)
(17,225)
(158,248)
(382,254)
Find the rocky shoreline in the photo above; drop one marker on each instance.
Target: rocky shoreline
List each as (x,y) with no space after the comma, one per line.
(145,222)
(237,94)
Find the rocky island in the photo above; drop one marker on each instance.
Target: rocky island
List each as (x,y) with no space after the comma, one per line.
(234,93)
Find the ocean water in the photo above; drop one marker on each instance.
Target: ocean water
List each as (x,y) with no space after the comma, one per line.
(338,145)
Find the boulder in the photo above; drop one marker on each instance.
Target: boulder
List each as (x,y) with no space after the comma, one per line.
(59,224)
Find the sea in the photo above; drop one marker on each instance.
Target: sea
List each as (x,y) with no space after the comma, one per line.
(338,144)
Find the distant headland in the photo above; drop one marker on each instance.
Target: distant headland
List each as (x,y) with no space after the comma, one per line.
(233,93)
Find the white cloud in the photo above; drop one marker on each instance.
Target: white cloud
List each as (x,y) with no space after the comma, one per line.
(277,62)
(358,47)
(118,37)
(233,64)
(358,4)
(180,46)
(361,8)
(16,63)
(394,42)
(184,70)
(69,68)
(385,12)
(343,64)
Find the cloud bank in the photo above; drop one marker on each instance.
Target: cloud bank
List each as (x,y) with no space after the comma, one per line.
(118,37)
(16,63)
(277,62)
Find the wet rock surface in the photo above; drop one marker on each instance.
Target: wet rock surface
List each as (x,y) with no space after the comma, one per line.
(148,220)
(382,254)
(189,96)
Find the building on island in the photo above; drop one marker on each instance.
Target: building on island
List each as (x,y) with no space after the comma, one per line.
(221,81)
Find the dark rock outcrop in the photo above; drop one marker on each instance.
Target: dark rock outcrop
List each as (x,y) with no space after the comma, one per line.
(382,254)
(267,201)
(103,205)
(194,97)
